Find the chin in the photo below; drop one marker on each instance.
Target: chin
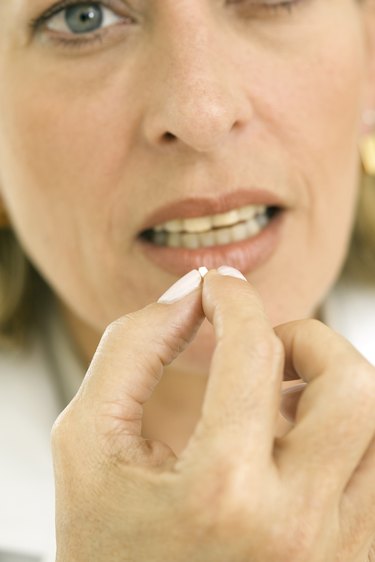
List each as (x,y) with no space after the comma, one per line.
(196,358)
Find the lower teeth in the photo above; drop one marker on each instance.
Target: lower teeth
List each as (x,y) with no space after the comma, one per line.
(217,237)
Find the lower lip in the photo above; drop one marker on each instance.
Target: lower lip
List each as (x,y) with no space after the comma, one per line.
(246,255)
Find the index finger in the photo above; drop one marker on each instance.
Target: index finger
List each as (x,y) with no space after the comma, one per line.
(241,404)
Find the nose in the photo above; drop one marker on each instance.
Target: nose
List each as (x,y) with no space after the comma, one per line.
(196,95)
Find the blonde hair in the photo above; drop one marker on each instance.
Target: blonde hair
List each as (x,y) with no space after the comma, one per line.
(22,290)
(360,263)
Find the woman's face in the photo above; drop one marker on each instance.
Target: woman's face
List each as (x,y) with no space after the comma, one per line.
(111,111)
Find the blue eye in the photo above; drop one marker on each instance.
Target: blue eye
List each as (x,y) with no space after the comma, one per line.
(82,18)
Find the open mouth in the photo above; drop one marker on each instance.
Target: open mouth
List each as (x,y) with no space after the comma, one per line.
(235,225)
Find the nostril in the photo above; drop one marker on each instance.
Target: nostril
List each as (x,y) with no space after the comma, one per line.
(169,137)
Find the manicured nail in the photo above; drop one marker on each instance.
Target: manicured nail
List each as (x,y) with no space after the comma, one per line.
(231,272)
(289,401)
(187,284)
(293,389)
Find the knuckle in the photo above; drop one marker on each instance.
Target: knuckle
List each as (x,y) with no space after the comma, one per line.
(217,505)
(62,434)
(118,326)
(358,377)
(313,324)
(267,346)
(299,530)
(226,510)
(312,327)
(129,325)
(365,380)
(65,435)
(56,431)
(362,388)
(59,431)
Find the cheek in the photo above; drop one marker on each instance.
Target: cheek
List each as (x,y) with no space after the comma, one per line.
(314,112)
(60,180)
(308,99)
(309,92)
(329,113)
(54,150)
(316,108)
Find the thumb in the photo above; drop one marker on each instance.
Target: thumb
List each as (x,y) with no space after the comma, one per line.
(130,358)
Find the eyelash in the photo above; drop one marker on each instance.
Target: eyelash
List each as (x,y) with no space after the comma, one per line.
(38,23)
(97,36)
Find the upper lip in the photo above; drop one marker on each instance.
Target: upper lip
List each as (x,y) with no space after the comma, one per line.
(202,206)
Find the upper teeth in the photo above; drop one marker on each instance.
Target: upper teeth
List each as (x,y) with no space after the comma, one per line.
(204,224)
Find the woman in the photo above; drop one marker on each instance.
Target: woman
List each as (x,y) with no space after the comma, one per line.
(140,141)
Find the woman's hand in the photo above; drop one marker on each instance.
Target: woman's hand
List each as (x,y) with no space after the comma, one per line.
(237,493)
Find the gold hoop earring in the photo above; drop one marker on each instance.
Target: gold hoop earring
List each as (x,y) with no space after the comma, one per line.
(367,151)
(4,219)
(367,144)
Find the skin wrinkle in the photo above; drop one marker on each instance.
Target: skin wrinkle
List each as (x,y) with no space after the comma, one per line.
(274,103)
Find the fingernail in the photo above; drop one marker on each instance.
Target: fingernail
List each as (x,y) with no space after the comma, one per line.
(187,284)
(231,272)
(289,401)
